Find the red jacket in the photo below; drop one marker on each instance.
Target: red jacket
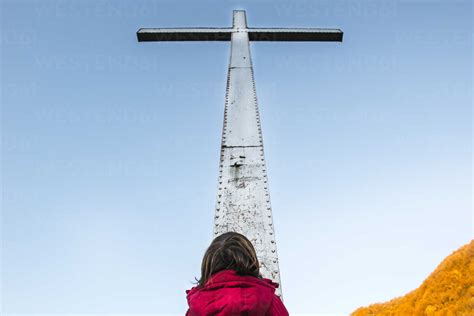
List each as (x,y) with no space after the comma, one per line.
(227,293)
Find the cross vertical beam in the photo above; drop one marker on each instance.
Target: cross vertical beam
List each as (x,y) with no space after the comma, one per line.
(243,201)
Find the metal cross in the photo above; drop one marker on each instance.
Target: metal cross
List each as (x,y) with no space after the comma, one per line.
(243,200)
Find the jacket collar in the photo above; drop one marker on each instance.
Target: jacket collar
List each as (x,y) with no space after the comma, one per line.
(229,275)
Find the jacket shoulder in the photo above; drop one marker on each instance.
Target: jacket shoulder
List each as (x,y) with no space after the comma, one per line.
(277,308)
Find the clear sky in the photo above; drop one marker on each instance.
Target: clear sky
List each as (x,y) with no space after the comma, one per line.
(111,147)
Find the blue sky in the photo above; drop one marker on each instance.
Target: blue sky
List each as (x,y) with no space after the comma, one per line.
(110,150)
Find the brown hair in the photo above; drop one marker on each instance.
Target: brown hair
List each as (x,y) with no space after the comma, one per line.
(229,251)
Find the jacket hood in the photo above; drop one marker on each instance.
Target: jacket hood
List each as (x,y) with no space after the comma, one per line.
(227,293)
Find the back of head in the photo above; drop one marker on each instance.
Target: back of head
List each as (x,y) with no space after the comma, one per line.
(229,251)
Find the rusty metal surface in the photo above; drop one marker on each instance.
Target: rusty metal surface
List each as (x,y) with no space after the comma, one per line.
(243,198)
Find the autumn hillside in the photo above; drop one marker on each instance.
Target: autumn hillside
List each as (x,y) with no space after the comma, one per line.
(448,291)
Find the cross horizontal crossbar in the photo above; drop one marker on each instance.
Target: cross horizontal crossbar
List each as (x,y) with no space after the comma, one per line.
(224,34)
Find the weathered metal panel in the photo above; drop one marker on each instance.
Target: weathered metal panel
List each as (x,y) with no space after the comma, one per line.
(243,204)
(242,122)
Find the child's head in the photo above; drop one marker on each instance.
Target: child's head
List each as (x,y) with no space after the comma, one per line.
(229,251)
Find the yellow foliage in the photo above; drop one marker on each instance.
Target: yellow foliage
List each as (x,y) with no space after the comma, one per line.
(448,291)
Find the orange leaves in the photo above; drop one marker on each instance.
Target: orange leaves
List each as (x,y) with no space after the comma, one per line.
(448,291)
